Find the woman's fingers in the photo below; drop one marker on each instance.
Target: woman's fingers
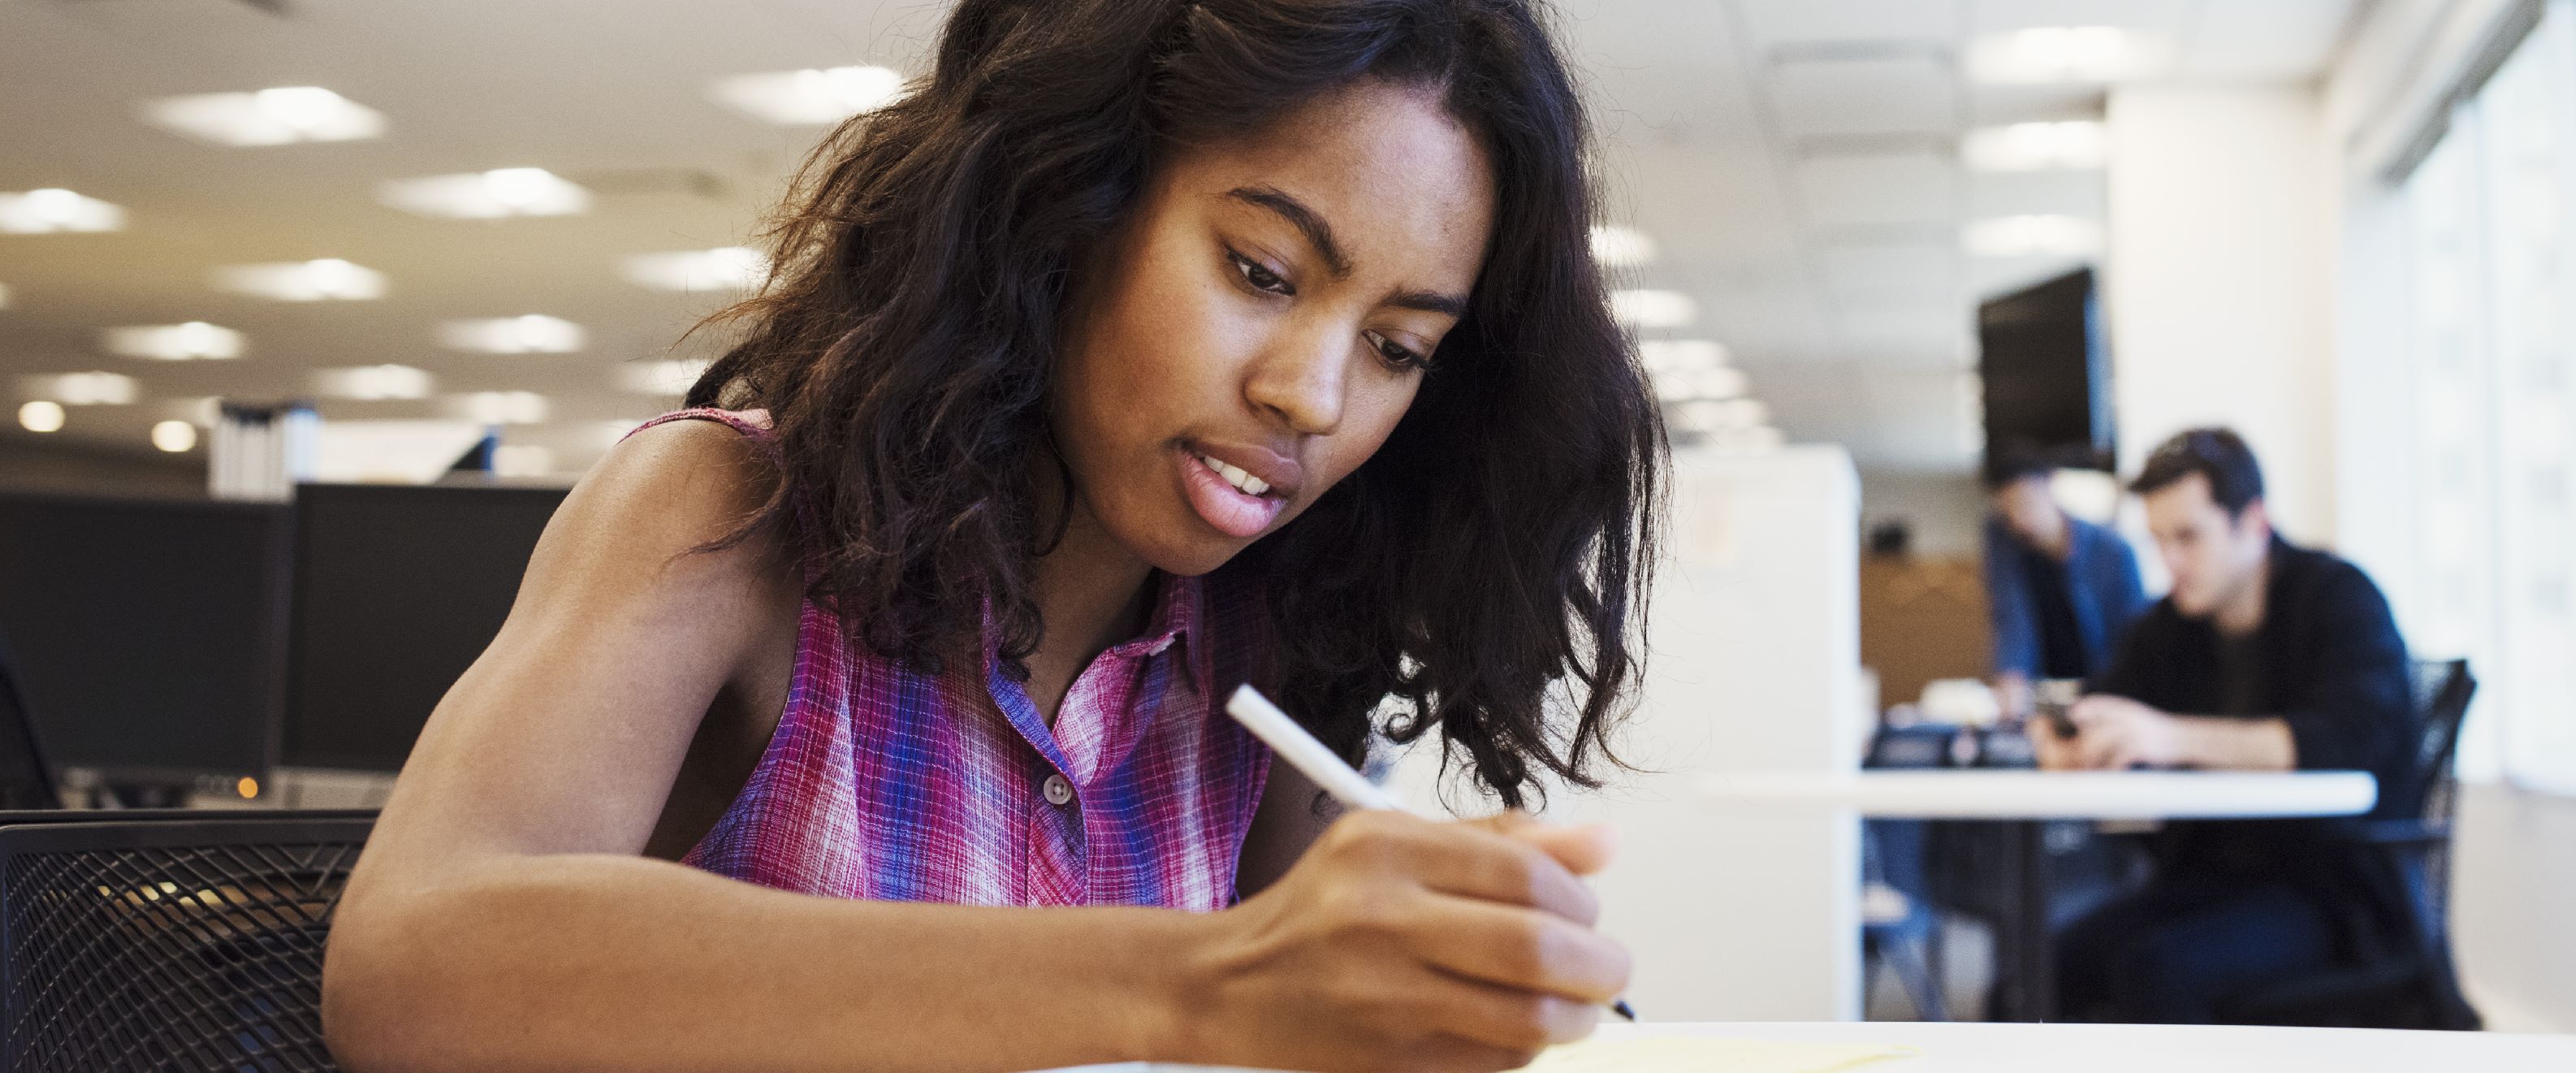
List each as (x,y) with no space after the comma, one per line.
(1476,860)
(1506,1018)
(1521,950)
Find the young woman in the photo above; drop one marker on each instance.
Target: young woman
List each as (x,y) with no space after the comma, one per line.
(866,714)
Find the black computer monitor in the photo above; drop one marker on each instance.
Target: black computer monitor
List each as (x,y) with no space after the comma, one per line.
(397,589)
(2045,361)
(147,636)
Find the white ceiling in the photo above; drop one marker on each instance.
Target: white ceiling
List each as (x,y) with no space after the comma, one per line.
(1793,159)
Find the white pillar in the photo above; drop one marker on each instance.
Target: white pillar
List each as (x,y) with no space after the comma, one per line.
(2220,276)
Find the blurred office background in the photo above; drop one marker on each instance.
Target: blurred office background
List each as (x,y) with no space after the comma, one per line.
(431,259)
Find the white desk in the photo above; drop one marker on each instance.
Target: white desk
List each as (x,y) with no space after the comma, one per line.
(1975,1048)
(1970,794)
(2021,799)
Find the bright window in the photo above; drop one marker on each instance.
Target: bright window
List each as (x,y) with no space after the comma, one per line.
(2492,262)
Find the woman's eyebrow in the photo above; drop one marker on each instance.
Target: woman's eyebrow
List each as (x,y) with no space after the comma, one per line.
(1320,234)
(1317,232)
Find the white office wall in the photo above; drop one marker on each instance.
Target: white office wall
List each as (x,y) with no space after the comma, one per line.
(1754,664)
(2218,274)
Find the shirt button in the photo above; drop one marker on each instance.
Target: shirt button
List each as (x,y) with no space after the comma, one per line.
(1057,790)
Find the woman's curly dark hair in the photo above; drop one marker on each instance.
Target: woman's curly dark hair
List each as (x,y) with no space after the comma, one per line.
(1493,553)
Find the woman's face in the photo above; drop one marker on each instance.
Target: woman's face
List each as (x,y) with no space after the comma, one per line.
(1258,327)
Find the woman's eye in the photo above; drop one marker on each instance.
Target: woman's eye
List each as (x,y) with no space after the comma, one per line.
(1395,353)
(1261,278)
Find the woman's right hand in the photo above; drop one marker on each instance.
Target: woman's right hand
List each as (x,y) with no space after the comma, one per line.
(1398,942)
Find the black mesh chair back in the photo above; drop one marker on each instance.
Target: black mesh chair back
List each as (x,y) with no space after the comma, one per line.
(2413,985)
(170,944)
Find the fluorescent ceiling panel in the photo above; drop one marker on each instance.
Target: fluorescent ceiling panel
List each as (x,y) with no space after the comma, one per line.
(1653,309)
(53,209)
(374,382)
(2088,55)
(281,115)
(2034,235)
(670,377)
(327,279)
(85,389)
(499,407)
(1621,247)
(811,96)
(191,341)
(487,195)
(2075,144)
(731,268)
(534,333)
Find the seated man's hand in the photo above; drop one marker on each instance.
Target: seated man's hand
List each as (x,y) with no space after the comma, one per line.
(2114,734)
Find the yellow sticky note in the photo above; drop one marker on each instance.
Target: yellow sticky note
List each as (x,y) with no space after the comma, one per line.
(1695,1054)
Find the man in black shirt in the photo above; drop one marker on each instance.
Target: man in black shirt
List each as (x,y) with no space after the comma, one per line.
(2264,657)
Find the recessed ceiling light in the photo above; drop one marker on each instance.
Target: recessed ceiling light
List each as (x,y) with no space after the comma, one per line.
(176,437)
(86,389)
(2076,144)
(53,209)
(534,333)
(2062,54)
(2036,235)
(191,341)
(42,415)
(277,116)
(731,268)
(327,279)
(487,195)
(374,382)
(673,377)
(1653,309)
(810,96)
(1621,247)
(499,407)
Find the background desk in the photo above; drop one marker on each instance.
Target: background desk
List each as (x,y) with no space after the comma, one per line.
(2027,988)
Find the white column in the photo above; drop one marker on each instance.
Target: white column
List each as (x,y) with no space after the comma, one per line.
(2219,282)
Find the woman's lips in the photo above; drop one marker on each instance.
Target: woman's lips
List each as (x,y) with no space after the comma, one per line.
(1231,510)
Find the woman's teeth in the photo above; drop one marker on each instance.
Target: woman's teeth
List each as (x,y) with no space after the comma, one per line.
(1242,482)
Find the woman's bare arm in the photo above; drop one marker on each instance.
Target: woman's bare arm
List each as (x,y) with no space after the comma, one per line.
(502,919)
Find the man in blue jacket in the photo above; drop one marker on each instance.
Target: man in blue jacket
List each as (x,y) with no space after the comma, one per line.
(2265,657)
(2061,590)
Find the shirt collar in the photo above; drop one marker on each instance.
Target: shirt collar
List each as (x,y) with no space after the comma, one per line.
(1178,608)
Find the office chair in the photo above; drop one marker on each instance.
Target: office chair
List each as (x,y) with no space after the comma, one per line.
(26,780)
(2414,985)
(1898,927)
(169,943)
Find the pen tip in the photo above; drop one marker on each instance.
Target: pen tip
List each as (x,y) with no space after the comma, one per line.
(1625,1011)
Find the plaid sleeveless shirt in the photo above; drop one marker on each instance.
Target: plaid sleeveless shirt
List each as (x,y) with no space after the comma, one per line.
(886,782)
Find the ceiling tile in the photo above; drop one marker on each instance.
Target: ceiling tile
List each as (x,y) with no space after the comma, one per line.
(1865,96)
(1878,190)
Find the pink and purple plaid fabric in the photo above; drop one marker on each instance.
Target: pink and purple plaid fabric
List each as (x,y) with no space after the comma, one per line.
(888,783)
